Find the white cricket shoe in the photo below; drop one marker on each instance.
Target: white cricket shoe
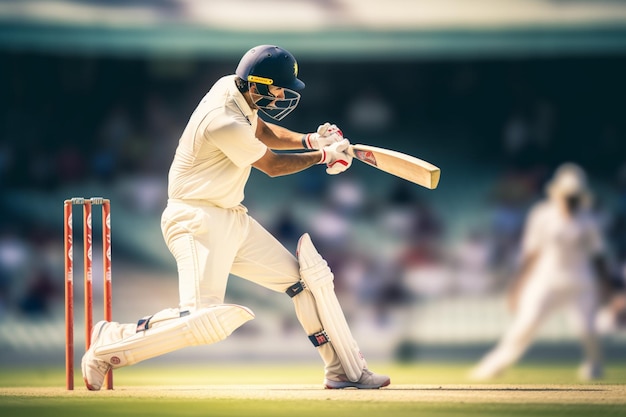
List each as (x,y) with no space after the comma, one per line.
(484,372)
(590,371)
(94,370)
(368,380)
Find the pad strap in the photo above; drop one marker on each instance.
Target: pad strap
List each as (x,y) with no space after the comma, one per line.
(144,323)
(320,338)
(295,289)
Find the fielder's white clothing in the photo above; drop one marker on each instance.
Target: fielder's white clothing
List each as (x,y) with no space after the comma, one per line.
(561,276)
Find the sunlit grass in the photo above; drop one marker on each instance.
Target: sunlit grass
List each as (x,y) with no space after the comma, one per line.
(282,373)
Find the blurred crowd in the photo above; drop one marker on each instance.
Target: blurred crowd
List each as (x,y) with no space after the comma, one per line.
(115,122)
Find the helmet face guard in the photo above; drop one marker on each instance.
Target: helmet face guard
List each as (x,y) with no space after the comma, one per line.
(267,65)
(275,107)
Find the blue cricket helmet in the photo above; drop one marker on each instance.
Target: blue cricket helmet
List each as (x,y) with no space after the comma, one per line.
(270,65)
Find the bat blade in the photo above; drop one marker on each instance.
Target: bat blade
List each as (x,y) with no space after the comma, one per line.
(399,164)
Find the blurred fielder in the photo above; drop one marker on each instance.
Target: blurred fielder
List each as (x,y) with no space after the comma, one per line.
(562,257)
(211,235)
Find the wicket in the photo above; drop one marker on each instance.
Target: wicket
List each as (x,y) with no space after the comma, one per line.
(87,204)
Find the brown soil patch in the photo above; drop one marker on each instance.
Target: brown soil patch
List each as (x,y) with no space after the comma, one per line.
(572,394)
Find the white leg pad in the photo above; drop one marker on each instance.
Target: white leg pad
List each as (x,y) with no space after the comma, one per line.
(202,327)
(318,278)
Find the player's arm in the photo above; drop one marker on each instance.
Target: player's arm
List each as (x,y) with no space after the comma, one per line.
(606,285)
(519,280)
(531,247)
(277,137)
(280,138)
(278,164)
(600,261)
(335,157)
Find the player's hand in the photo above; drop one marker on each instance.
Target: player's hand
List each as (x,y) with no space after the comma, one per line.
(513,300)
(336,157)
(326,134)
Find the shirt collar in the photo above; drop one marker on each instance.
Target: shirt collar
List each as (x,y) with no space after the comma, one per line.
(240,100)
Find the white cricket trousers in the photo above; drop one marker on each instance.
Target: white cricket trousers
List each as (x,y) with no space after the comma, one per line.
(537,302)
(209,243)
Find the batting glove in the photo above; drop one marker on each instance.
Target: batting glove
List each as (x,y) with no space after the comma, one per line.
(336,157)
(326,134)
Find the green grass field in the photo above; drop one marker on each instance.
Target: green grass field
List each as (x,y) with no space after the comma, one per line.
(295,390)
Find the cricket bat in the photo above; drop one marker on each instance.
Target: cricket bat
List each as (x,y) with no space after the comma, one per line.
(399,164)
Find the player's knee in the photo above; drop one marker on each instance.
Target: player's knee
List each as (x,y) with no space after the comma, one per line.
(317,275)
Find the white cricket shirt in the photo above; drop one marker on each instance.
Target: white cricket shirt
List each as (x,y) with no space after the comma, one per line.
(565,245)
(217,149)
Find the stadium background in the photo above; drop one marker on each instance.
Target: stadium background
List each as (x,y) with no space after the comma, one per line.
(96,93)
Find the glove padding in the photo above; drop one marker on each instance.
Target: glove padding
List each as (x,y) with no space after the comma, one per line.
(336,157)
(326,134)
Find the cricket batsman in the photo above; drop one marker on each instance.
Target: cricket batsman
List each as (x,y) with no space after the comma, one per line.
(211,235)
